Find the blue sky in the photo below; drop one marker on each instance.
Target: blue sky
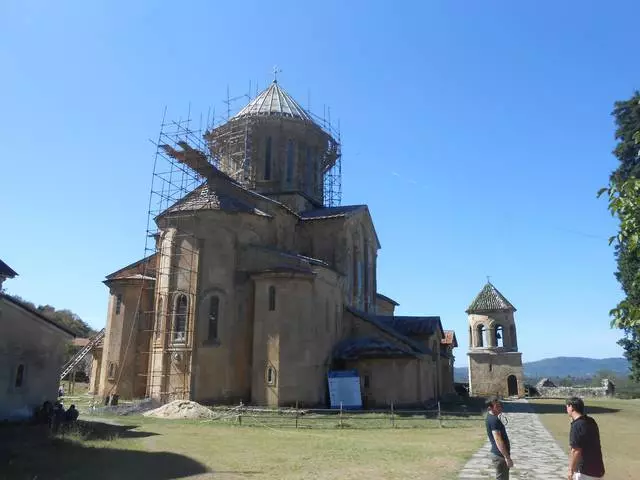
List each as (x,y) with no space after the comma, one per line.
(477,132)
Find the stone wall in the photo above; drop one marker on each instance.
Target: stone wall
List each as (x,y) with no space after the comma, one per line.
(607,390)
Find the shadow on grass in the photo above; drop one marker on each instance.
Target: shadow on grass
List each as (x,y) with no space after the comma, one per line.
(543,408)
(28,452)
(90,430)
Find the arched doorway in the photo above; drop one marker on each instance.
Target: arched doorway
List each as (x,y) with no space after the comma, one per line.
(512,385)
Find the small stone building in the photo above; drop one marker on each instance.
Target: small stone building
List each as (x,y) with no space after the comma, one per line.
(258,288)
(32,349)
(495,365)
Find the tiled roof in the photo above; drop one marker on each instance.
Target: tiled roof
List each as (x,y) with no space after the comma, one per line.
(370,347)
(204,198)
(144,268)
(274,101)
(489,299)
(449,338)
(381,322)
(387,299)
(6,270)
(330,212)
(411,326)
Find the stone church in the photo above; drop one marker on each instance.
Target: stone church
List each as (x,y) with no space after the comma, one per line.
(258,289)
(495,364)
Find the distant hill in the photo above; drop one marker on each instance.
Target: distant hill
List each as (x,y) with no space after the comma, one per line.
(563,367)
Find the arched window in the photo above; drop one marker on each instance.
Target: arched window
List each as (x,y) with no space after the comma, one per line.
(499,336)
(19,376)
(267,159)
(180,319)
(290,158)
(470,337)
(214,311)
(271,375)
(272,298)
(480,332)
(118,303)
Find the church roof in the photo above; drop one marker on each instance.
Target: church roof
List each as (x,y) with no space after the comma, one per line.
(6,270)
(488,300)
(331,212)
(274,101)
(370,347)
(205,198)
(411,326)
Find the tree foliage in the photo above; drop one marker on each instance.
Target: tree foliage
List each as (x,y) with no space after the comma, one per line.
(63,317)
(623,194)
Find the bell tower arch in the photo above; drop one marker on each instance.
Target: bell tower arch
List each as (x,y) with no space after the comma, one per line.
(495,364)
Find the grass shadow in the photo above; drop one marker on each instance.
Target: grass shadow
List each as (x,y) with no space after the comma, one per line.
(544,408)
(31,453)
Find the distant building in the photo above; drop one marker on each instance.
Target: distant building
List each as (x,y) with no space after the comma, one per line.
(495,365)
(32,349)
(259,287)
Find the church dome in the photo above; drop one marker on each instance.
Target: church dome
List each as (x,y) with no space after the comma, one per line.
(274,101)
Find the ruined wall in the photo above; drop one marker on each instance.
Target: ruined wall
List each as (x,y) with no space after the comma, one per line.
(36,345)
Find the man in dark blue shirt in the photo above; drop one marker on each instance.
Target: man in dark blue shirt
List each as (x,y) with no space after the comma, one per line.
(497,433)
(585,459)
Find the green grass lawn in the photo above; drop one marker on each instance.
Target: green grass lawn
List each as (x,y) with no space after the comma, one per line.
(619,422)
(164,449)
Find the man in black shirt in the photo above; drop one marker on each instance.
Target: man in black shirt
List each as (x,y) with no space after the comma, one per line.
(497,433)
(585,458)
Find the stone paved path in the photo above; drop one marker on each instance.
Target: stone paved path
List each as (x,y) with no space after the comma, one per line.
(535,453)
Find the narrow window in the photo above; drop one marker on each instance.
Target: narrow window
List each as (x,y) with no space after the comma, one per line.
(271,376)
(214,306)
(118,303)
(111,371)
(19,375)
(290,154)
(499,336)
(180,320)
(272,298)
(159,313)
(490,367)
(267,159)
(366,277)
(479,335)
(366,381)
(308,180)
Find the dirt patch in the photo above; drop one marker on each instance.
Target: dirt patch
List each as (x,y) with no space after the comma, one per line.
(180,409)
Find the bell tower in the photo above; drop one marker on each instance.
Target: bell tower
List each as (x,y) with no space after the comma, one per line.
(495,365)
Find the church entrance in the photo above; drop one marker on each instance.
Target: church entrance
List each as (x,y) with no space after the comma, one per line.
(512,385)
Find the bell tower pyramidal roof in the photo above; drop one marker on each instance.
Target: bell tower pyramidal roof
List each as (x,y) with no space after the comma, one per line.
(490,300)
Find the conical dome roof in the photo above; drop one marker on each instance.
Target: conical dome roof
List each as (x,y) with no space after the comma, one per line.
(274,101)
(490,300)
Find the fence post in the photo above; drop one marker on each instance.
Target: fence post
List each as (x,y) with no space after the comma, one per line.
(240,414)
(340,414)
(439,414)
(393,417)
(296,414)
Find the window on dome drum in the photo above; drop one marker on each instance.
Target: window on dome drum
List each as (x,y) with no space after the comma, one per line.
(19,376)
(272,298)
(111,370)
(290,155)
(267,159)
(214,307)
(118,303)
(180,319)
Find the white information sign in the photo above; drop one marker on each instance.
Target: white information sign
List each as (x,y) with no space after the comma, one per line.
(344,388)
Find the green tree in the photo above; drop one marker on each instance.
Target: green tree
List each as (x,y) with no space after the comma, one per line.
(624,203)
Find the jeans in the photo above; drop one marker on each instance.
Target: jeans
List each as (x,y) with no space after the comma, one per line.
(500,464)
